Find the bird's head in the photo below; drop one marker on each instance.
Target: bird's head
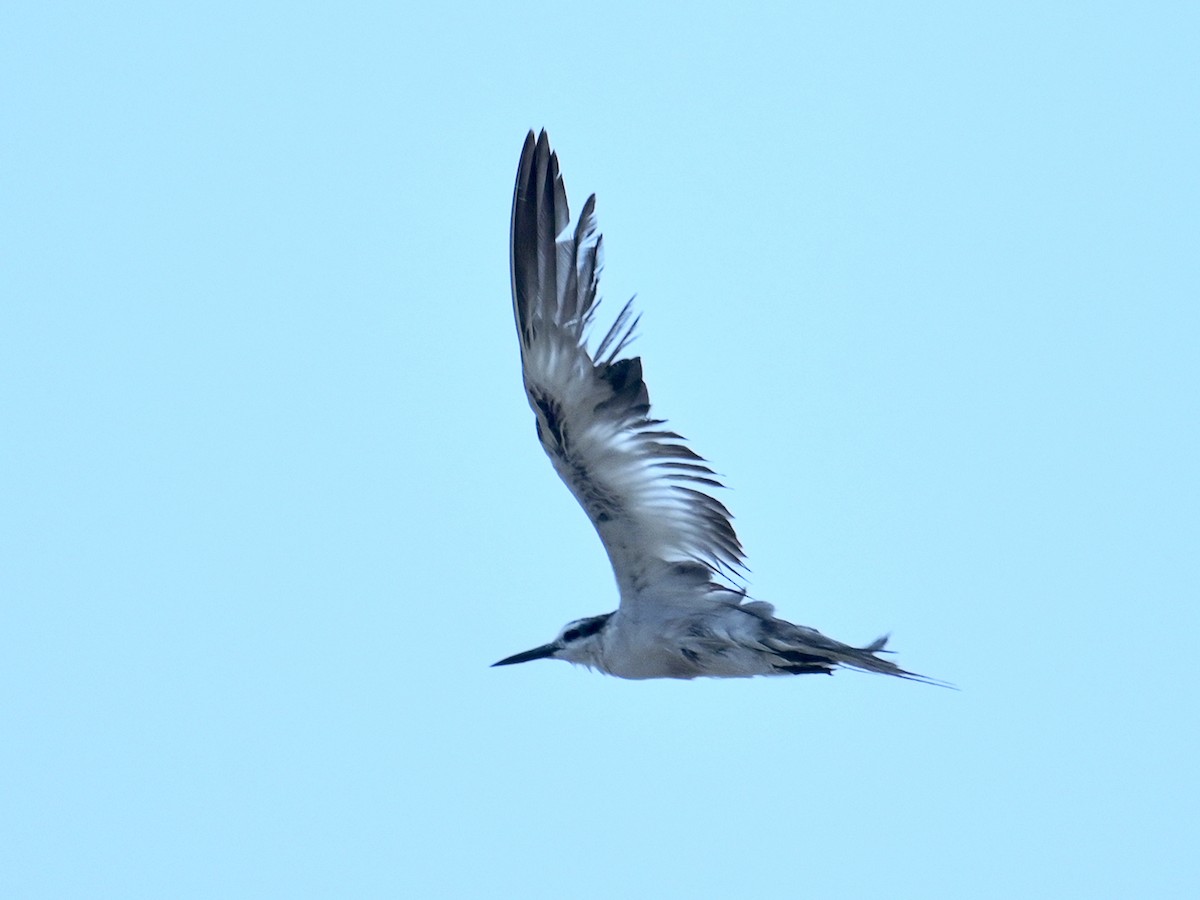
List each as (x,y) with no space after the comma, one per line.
(578,642)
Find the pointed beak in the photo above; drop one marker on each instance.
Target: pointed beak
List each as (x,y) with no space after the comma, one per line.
(543,652)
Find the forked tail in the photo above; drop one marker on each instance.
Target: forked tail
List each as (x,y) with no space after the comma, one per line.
(865,658)
(802,650)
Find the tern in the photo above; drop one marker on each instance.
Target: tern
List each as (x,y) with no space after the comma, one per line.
(671,543)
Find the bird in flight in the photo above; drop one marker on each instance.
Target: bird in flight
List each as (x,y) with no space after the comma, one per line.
(671,543)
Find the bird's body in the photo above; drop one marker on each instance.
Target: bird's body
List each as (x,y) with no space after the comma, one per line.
(671,543)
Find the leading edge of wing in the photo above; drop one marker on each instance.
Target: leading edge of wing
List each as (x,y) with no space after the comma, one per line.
(645,491)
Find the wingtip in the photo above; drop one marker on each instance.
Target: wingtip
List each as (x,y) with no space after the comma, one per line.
(543,151)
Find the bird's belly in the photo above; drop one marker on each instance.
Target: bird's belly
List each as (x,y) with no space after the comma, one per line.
(638,657)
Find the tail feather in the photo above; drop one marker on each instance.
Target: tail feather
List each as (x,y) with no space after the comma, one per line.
(804,650)
(866,660)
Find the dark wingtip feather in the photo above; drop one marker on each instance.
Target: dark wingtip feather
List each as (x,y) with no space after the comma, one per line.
(523,237)
(539,213)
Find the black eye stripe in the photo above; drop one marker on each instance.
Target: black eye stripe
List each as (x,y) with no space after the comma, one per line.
(586,628)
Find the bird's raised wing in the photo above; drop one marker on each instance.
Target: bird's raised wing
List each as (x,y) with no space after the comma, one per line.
(644,490)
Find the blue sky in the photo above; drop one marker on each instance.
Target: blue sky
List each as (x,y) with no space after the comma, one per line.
(920,279)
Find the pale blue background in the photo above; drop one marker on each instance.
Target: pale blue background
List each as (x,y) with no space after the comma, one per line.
(920,279)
